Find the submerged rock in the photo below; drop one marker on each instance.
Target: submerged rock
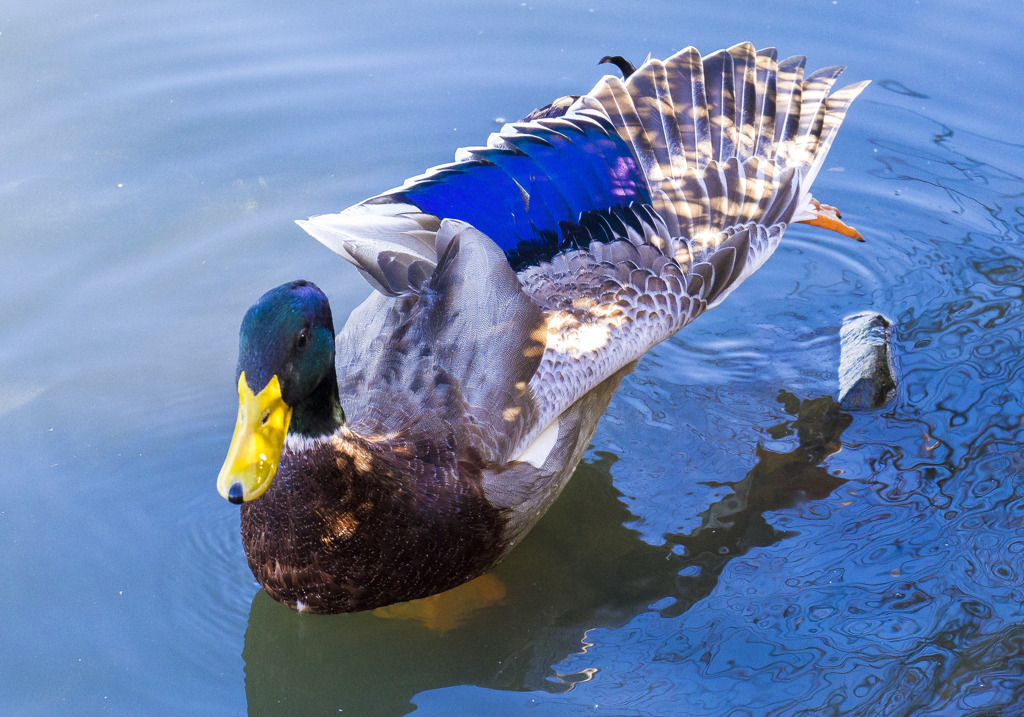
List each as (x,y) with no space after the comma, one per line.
(866,372)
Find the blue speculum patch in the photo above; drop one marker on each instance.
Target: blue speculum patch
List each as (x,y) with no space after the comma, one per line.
(546,181)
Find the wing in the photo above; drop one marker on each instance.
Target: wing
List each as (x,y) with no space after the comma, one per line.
(645,204)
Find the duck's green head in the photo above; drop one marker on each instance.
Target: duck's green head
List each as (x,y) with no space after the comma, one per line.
(286,384)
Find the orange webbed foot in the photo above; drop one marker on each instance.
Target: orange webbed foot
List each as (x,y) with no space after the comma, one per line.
(828,217)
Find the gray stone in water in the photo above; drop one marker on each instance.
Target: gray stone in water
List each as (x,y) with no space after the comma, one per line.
(866,373)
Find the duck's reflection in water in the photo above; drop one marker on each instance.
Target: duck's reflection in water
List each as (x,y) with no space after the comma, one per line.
(579,569)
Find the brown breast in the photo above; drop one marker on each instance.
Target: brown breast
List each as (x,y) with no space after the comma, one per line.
(353,524)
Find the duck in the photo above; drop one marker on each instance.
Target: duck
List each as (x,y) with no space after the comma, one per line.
(511,290)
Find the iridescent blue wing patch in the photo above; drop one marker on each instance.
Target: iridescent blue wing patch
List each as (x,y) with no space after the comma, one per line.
(528,189)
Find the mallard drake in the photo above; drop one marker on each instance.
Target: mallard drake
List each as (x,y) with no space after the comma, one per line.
(513,288)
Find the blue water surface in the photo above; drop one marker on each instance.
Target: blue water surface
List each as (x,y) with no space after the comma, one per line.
(731,544)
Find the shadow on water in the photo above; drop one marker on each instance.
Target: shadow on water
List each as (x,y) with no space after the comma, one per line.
(579,569)
(736,524)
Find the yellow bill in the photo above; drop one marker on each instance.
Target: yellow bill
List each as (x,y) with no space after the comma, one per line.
(256,447)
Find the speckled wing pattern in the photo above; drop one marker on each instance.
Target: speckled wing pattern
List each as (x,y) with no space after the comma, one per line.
(645,204)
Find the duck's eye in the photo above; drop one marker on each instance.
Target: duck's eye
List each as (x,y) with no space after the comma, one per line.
(302,339)
(264,418)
